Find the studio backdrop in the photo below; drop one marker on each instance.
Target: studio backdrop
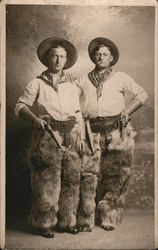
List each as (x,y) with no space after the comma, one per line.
(131,28)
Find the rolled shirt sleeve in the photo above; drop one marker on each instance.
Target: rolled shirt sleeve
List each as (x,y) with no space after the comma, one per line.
(135,89)
(29,96)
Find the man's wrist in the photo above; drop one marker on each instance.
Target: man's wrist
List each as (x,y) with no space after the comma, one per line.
(133,106)
(26,114)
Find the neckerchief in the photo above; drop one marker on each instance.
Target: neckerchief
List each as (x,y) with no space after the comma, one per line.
(47,77)
(98,79)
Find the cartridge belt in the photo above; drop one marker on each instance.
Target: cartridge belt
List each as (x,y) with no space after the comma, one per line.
(62,125)
(105,124)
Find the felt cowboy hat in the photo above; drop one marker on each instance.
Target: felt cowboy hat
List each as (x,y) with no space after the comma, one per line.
(51,42)
(108,43)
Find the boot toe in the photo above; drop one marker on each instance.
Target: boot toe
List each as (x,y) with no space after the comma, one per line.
(84,229)
(108,228)
(47,233)
(72,230)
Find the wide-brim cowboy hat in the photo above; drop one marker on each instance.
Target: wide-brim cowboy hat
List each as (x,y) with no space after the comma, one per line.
(108,43)
(51,42)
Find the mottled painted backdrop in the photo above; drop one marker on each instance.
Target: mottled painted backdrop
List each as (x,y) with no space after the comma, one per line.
(131,28)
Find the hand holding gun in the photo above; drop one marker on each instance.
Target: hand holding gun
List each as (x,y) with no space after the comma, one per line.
(55,136)
(130,109)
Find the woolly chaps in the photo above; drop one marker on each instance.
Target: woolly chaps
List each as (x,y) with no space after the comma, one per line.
(116,162)
(55,180)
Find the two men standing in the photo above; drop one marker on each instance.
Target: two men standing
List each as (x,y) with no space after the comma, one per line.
(65,169)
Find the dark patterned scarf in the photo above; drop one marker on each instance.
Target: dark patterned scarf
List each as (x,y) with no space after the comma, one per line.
(98,79)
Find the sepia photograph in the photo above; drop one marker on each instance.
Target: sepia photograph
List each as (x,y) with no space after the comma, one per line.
(78,125)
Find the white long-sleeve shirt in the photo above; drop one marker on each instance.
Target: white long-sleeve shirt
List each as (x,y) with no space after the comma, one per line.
(112,100)
(61,104)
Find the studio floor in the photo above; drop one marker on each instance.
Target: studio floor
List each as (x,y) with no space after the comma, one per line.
(135,232)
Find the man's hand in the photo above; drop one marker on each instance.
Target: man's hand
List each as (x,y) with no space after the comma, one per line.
(124,118)
(39,123)
(81,146)
(26,114)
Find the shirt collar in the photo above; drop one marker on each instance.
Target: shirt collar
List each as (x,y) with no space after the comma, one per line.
(47,76)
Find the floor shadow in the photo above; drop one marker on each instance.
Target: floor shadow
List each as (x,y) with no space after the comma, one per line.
(18,221)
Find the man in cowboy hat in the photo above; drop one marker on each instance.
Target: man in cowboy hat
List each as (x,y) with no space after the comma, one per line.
(110,137)
(58,138)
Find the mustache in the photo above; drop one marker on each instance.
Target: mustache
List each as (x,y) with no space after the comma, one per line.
(100,61)
(58,64)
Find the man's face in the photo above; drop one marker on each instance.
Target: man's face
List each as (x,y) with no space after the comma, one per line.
(57,59)
(103,58)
